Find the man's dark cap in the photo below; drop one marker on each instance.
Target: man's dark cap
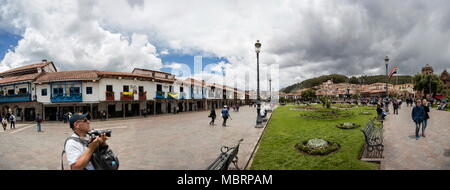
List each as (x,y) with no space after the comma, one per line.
(76,117)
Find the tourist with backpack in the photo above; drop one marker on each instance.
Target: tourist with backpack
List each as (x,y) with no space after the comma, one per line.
(212,115)
(85,153)
(12,119)
(225,115)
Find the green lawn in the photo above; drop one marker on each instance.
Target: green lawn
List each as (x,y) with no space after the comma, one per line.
(286,129)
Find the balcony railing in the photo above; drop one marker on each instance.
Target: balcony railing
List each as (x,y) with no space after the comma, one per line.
(196,96)
(127,96)
(74,97)
(109,96)
(172,95)
(160,95)
(182,95)
(143,95)
(15,98)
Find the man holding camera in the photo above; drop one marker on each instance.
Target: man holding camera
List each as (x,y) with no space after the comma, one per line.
(79,152)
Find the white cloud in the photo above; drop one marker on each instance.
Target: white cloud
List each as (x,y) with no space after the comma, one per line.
(164,52)
(305,38)
(69,34)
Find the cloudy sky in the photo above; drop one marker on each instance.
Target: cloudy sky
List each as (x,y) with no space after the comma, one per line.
(300,39)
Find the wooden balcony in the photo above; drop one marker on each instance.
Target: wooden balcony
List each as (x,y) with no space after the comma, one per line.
(127,96)
(143,96)
(109,96)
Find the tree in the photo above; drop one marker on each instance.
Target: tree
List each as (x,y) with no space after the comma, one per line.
(282,99)
(429,84)
(326,102)
(308,95)
(355,96)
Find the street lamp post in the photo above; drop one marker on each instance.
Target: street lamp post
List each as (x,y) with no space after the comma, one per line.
(348,93)
(386,61)
(270,89)
(431,95)
(258,98)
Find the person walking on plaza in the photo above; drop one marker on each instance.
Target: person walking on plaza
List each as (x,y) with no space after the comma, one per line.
(418,115)
(225,114)
(12,119)
(427,116)
(4,123)
(395,106)
(212,115)
(38,123)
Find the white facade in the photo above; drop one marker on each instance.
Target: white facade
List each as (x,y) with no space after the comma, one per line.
(39,96)
(133,85)
(91,98)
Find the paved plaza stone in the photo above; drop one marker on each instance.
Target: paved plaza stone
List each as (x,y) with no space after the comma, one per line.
(404,152)
(183,141)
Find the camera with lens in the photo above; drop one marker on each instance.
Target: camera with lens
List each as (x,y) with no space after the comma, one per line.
(95,133)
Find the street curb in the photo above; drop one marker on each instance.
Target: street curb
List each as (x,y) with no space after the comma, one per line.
(250,160)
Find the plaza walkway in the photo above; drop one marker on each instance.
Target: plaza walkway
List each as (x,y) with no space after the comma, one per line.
(184,141)
(404,152)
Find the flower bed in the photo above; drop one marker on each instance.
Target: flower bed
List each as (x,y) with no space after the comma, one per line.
(317,147)
(322,113)
(348,126)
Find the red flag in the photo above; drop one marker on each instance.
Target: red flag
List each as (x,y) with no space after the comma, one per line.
(393,71)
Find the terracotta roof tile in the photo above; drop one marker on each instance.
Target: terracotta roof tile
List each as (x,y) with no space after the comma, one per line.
(68,75)
(124,74)
(26,67)
(18,78)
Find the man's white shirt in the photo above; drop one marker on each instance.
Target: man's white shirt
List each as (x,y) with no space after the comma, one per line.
(74,150)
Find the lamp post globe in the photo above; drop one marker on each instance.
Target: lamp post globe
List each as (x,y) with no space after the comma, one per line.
(258,98)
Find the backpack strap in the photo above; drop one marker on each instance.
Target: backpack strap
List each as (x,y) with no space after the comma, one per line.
(84,142)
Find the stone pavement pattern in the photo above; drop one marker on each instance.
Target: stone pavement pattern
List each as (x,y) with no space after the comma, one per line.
(183,142)
(404,152)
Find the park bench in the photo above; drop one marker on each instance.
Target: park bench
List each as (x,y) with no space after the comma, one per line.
(227,156)
(373,147)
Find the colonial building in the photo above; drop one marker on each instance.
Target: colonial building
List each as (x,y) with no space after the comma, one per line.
(40,88)
(445,78)
(427,69)
(18,93)
(366,90)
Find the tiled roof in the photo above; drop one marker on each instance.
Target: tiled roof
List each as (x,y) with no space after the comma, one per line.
(68,75)
(18,78)
(151,71)
(195,82)
(26,67)
(124,74)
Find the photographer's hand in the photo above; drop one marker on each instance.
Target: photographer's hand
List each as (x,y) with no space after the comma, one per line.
(104,138)
(96,142)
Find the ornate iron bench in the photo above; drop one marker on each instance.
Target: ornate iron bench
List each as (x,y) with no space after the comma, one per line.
(373,147)
(227,156)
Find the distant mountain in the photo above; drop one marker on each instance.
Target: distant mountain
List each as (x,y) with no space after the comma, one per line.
(336,78)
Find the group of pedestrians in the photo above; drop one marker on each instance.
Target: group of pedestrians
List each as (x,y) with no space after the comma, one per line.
(409,101)
(225,114)
(420,116)
(11,119)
